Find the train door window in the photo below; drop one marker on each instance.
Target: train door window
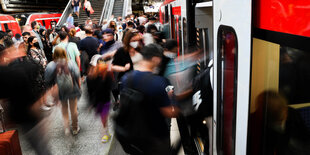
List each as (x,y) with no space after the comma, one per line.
(227,90)
(43,22)
(184,32)
(6,26)
(279,120)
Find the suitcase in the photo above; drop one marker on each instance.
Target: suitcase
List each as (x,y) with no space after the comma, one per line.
(9,141)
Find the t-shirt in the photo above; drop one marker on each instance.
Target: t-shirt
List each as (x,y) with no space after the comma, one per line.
(72,52)
(76,2)
(89,45)
(121,58)
(156,97)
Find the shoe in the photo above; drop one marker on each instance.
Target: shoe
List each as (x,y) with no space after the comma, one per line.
(105,138)
(67,131)
(75,132)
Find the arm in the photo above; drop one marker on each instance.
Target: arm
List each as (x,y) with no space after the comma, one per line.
(117,68)
(55,40)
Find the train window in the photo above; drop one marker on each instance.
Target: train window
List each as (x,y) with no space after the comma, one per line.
(185,32)
(279,119)
(6,26)
(43,21)
(227,92)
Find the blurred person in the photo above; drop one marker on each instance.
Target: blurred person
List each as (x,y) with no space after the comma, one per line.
(2,36)
(89,46)
(130,26)
(52,35)
(35,52)
(17,39)
(71,48)
(19,87)
(24,44)
(89,22)
(141,29)
(99,86)
(10,33)
(64,28)
(97,34)
(108,42)
(151,21)
(81,34)
(170,53)
(70,21)
(47,48)
(77,5)
(285,131)
(87,7)
(127,19)
(76,27)
(113,27)
(66,75)
(72,37)
(151,135)
(148,37)
(35,29)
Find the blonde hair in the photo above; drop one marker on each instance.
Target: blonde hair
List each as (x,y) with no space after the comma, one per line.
(72,32)
(59,53)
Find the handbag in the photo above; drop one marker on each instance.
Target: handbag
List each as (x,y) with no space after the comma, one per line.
(91,11)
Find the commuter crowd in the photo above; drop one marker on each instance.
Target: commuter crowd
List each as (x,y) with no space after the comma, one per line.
(128,65)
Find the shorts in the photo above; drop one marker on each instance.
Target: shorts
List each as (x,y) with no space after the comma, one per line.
(76,9)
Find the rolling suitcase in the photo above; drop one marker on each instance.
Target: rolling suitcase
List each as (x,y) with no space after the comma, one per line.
(9,141)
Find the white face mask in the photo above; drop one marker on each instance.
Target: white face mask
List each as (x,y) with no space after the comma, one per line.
(134,44)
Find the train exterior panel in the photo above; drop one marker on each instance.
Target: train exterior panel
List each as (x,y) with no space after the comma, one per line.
(8,22)
(44,18)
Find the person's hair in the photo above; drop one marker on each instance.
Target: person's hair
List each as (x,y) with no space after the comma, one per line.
(17,35)
(26,34)
(112,26)
(59,53)
(8,42)
(8,31)
(66,29)
(130,24)
(151,50)
(41,31)
(76,24)
(170,44)
(141,28)
(152,18)
(88,30)
(48,32)
(72,32)
(150,28)
(62,35)
(129,34)
(33,24)
(30,39)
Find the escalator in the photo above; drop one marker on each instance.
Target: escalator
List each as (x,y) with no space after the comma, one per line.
(118,8)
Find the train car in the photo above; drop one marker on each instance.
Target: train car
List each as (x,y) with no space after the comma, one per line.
(261,72)
(44,18)
(8,22)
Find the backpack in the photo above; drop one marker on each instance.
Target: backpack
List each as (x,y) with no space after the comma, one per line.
(131,120)
(64,78)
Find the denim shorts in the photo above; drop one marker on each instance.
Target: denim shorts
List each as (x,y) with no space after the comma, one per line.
(76,9)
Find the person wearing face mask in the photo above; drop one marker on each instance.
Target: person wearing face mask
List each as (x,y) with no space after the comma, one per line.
(35,29)
(108,42)
(170,52)
(130,26)
(35,52)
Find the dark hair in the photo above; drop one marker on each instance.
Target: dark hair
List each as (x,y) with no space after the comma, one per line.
(97,34)
(8,42)
(62,35)
(150,28)
(151,50)
(26,34)
(17,35)
(30,39)
(33,24)
(170,44)
(76,24)
(66,29)
(88,31)
(128,35)
(41,31)
(130,24)
(2,34)
(8,31)
(141,28)
(152,18)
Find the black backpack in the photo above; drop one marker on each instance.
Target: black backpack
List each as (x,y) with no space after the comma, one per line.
(131,122)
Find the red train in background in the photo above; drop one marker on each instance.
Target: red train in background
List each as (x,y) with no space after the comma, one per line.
(14,22)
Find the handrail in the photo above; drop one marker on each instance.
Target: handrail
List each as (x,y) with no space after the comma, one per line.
(125,7)
(65,14)
(103,11)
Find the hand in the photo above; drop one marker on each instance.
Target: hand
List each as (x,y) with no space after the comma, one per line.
(127,67)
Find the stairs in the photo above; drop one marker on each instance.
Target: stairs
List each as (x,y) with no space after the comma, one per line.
(33,5)
(97,6)
(118,8)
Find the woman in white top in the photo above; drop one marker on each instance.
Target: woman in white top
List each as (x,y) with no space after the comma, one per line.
(87,7)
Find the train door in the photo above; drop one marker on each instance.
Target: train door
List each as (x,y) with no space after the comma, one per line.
(232,48)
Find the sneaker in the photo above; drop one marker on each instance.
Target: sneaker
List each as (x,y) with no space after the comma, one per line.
(105,138)
(75,132)
(67,131)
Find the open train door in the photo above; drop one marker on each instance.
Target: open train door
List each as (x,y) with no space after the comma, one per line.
(232,55)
